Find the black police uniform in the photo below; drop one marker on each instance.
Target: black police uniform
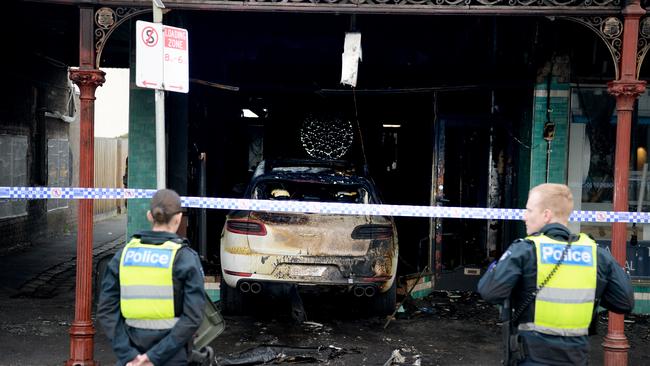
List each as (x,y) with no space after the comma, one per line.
(166,347)
(515,276)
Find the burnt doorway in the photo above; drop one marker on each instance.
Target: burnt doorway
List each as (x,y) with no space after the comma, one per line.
(476,149)
(466,151)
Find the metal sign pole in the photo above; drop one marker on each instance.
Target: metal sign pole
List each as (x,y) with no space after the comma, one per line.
(160,139)
(161,173)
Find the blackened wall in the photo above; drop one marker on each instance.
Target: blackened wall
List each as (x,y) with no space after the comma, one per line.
(40,108)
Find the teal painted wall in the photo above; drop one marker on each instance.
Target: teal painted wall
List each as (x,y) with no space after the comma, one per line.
(642,299)
(142,151)
(560,98)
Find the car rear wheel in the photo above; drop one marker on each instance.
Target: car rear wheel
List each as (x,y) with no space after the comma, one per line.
(383,303)
(231,299)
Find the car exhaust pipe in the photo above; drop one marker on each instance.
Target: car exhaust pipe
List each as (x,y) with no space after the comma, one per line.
(256,287)
(244,287)
(370,291)
(358,291)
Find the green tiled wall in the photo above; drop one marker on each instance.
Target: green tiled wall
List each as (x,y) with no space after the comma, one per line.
(560,97)
(142,152)
(641,300)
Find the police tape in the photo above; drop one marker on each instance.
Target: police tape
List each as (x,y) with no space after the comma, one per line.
(20,193)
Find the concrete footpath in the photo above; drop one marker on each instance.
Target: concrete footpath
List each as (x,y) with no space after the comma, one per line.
(35,267)
(37,296)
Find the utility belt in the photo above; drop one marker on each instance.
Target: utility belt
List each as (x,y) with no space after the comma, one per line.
(518,349)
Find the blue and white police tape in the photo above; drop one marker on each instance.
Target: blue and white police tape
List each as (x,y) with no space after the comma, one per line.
(312,207)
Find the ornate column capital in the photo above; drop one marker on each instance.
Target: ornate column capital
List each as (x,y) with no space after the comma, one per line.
(88,81)
(626,87)
(626,92)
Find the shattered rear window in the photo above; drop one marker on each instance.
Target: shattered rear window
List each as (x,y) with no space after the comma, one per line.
(310,191)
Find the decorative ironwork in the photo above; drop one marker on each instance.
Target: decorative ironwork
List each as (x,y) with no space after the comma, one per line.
(610,30)
(643,43)
(106,21)
(564,8)
(463,3)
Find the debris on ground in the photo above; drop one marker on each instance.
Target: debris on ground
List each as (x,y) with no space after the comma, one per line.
(264,354)
(401,356)
(395,358)
(313,324)
(316,328)
(453,305)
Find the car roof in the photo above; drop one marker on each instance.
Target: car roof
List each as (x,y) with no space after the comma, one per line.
(312,176)
(306,166)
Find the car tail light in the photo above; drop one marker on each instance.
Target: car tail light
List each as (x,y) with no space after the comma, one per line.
(371,231)
(248,227)
(239,274)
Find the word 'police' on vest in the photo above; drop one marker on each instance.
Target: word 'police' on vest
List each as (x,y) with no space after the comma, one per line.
(148,257)
(578,255)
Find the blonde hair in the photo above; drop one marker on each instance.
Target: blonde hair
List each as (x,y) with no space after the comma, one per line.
(555,197)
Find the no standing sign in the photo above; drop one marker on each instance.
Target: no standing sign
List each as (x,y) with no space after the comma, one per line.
(161,57)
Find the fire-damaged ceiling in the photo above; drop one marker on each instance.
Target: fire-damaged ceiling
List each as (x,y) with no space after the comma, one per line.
(42,30)
(302,52)
(298,52)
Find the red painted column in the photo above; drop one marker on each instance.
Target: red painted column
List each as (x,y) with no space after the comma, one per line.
(88,79)
(626,90)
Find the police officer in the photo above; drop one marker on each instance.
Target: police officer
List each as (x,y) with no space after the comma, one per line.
(152,294)
(554,322)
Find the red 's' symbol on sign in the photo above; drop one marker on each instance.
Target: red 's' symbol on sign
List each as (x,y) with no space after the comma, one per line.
(149,36)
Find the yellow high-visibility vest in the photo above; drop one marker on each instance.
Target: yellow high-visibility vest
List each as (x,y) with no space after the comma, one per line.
(146,284)
(564,306)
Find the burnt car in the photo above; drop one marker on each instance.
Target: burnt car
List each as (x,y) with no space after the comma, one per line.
(262,251)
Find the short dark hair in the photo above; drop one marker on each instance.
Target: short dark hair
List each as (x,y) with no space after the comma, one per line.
(165,203)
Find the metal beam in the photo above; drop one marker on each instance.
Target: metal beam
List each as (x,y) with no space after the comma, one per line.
(415,7)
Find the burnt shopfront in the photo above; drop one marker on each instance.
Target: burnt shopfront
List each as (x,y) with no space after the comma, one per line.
(456,104)
(460,111)
(451,107)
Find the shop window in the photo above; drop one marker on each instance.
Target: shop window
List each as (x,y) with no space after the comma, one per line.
(13,172)
(591,164)
(592,109)
(58,169)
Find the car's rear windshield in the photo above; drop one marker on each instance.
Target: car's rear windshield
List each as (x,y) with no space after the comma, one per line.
(311,191)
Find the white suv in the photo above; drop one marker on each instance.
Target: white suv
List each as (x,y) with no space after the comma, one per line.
(266,251)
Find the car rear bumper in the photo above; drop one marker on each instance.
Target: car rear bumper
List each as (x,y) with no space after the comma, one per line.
(346,272)
(257,284)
